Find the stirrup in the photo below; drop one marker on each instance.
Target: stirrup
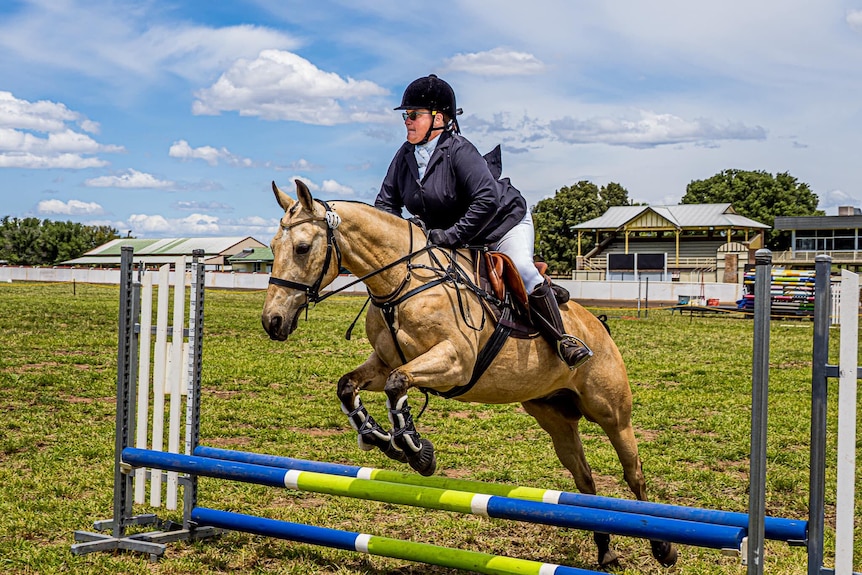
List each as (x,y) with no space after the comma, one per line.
(581,345)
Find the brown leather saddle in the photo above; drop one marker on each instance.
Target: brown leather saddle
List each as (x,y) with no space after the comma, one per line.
(498,276)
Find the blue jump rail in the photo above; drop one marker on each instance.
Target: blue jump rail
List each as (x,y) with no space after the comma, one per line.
(604,521)
(791,531)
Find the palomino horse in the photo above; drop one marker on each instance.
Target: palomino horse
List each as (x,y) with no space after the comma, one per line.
(425,342)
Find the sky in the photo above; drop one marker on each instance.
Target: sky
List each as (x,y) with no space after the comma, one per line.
(171,119)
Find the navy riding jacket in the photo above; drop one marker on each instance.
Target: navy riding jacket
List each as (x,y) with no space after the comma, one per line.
(458,194)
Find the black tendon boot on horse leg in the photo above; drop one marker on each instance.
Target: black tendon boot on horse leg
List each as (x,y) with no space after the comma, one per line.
(419,451)
(547,319)
(370,434)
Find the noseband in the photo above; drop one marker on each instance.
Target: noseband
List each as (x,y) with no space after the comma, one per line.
(332,220)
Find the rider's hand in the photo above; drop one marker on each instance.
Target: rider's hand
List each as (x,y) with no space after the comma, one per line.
(438,238)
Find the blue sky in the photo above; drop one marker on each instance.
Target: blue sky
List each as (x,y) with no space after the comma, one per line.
(172,118)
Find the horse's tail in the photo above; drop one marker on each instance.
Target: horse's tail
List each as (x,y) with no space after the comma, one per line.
(604,319)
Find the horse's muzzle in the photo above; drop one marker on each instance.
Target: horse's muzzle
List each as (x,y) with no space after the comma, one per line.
(276,326)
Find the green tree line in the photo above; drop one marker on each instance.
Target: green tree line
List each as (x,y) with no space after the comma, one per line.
(758,195)
(34,242)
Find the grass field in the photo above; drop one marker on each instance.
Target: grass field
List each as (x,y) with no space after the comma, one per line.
(691,379)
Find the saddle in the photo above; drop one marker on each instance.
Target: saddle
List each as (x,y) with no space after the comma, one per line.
(498,275)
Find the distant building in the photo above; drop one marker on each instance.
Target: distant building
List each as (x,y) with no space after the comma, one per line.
(688,239)
(837,236)
(155,252)
(255,260)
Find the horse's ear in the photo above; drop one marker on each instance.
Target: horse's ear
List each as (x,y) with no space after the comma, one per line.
(304,196)
(283,199)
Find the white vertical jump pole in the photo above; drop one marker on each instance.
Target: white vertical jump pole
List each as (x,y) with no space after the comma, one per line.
(142,424)
(174,382)
(847,375)
(159,374)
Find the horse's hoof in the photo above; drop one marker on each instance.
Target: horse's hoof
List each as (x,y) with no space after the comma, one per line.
(393,452)
(424,461)
(607,558)
(664,552)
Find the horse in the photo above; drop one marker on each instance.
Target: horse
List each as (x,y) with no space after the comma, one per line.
(426,333)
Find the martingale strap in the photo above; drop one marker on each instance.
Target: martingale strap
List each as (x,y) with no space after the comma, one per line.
(483,360)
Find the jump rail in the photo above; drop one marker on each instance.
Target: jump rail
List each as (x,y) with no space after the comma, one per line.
(604,521)
(792,531)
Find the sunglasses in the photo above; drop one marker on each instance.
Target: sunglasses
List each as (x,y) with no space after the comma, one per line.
(412,115)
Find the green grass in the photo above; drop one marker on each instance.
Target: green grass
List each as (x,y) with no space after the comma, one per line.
(691,380)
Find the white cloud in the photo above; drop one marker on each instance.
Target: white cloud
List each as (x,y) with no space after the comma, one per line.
(187,206)
(131,179)
(61,161)
(128,44)
(40,116)
(197,224)
(280,85)
(496,62)
(142,224)
(646,129)
(182,150)
(649,130)
(838,198)
(854,19)
(72,207)
(303,165)
(22,146)
(327,187)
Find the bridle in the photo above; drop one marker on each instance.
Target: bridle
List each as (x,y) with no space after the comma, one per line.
(332,220)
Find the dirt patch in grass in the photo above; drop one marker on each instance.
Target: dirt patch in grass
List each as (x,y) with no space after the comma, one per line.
(78,399)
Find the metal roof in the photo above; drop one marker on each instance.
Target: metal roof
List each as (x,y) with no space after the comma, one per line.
(253,255)
(818,223)
(168,246)
(680,216)
(159,251)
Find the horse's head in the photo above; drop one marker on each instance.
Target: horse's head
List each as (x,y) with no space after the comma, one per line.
(305,260)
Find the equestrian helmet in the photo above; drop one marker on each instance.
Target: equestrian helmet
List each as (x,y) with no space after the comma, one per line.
(430,93)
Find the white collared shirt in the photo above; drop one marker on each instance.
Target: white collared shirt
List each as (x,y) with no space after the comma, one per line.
(423,154)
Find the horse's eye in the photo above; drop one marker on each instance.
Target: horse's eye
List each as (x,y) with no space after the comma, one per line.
(302,249)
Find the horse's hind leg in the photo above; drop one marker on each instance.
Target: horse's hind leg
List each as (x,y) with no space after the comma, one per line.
(559,417)
(369,375)
(623,439)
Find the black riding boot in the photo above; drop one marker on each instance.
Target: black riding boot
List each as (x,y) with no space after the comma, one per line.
(546,318)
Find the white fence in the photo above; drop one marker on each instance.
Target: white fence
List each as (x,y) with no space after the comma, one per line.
(655,292)
(218,280)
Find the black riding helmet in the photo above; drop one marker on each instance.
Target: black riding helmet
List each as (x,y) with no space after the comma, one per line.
(431,93)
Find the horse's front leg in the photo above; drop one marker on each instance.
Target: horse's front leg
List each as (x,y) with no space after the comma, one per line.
(439,364)
(370,375)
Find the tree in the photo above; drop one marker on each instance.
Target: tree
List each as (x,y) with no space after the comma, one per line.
(554,217)
(757,195)
(30,241)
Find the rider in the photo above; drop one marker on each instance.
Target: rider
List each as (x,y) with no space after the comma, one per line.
(440,177)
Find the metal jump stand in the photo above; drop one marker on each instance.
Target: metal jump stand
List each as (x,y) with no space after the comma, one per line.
(113,534)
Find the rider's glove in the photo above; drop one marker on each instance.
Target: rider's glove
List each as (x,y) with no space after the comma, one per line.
(438,238)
